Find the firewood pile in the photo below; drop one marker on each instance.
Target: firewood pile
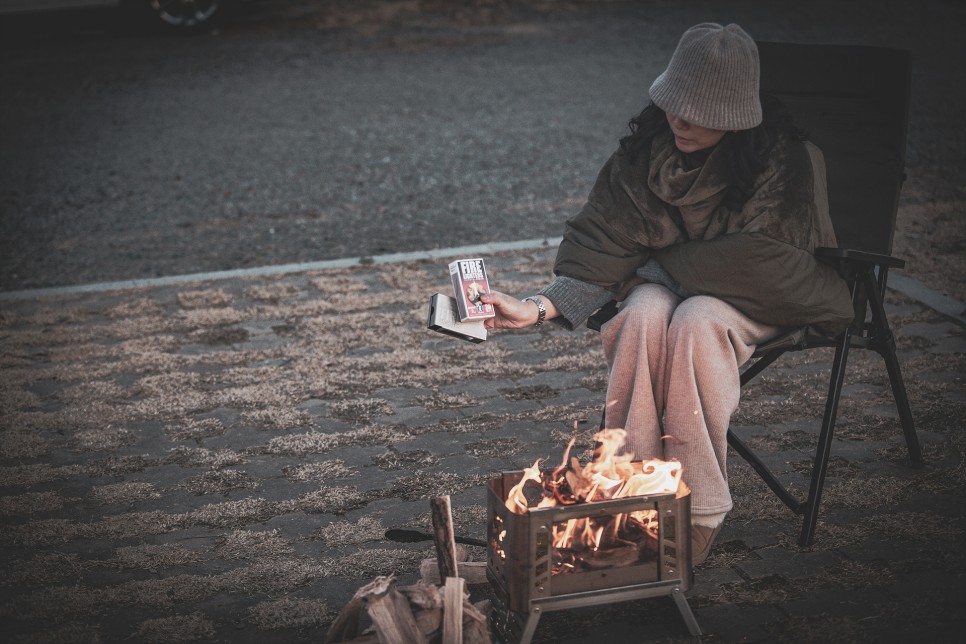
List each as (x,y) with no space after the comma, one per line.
(423,613)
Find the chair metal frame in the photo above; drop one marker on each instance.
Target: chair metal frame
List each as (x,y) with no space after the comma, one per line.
(867,278)
(863,257)
(859,258)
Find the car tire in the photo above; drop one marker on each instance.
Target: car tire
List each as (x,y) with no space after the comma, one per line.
(181,16)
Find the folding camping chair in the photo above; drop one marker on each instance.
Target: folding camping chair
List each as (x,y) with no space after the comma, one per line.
(853,102)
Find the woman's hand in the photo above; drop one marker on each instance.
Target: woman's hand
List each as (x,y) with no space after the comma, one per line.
(511,313)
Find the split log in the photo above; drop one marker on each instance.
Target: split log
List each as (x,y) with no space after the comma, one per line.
(418,614)
(429,623)
(394,619)
(346,624)
(389,610)
(474,572)
(423,596)
(453,613)
(443,537)
(476,625)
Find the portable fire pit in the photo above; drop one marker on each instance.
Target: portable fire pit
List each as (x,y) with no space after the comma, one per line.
(549,551)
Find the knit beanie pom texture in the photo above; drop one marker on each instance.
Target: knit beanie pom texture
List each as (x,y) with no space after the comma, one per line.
(712,79)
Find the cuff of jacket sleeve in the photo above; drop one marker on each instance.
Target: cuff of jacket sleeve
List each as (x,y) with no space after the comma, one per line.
(575,300)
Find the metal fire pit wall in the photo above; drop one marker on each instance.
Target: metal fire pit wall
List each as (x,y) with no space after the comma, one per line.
(522,577)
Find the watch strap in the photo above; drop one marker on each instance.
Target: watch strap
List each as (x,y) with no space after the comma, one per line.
(541,308)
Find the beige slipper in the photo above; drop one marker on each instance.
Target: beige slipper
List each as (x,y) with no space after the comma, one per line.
(701,539)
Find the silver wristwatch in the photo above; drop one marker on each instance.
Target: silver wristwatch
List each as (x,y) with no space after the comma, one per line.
(541,308)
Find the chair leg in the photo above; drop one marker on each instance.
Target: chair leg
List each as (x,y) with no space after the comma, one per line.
(820,465)
(766,474)
(884,342)
(902,404)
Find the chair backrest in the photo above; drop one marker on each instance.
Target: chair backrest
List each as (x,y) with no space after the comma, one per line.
(853,102)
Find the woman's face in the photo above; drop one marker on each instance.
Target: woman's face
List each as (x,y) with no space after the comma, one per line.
(691,138)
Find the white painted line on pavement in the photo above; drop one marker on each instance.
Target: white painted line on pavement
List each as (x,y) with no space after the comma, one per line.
(898,282)
(902,283)
(437,253)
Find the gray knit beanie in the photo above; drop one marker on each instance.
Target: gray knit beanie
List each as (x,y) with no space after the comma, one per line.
(712,79)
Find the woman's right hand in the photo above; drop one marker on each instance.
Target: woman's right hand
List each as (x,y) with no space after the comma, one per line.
(511,313)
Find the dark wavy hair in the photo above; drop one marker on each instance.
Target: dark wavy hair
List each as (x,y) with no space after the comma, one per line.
(745,150)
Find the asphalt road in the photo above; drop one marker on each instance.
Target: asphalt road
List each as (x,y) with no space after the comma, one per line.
(310,130)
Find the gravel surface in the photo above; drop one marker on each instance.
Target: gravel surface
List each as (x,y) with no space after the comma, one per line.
(313,130)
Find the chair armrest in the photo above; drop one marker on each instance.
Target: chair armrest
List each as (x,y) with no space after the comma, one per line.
(827,253)
(859,256)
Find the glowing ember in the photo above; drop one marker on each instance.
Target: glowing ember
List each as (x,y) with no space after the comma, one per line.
(610,540)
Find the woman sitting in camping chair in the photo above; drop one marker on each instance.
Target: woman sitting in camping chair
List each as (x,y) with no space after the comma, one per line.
(703,225)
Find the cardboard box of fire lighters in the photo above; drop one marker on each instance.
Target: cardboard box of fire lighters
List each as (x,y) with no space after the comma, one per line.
(469,283)
(462,316)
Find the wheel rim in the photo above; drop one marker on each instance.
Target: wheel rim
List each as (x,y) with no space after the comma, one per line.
(184,13)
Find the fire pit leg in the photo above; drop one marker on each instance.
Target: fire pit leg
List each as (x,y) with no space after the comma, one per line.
(531,626)
(685,610)
(511,627)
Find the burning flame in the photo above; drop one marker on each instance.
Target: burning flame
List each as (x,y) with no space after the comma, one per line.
(608,476)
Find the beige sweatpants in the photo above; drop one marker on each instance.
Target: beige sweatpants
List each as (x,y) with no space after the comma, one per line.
(674,383)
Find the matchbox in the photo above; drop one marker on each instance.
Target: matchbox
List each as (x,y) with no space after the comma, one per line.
(443,318)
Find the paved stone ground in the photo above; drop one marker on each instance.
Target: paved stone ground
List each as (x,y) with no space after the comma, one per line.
(219,461)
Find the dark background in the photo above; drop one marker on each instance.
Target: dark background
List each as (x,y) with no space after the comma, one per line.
(315,129)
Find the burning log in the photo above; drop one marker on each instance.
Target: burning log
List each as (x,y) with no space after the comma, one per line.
(611,530)
(532,575)
(590,543)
